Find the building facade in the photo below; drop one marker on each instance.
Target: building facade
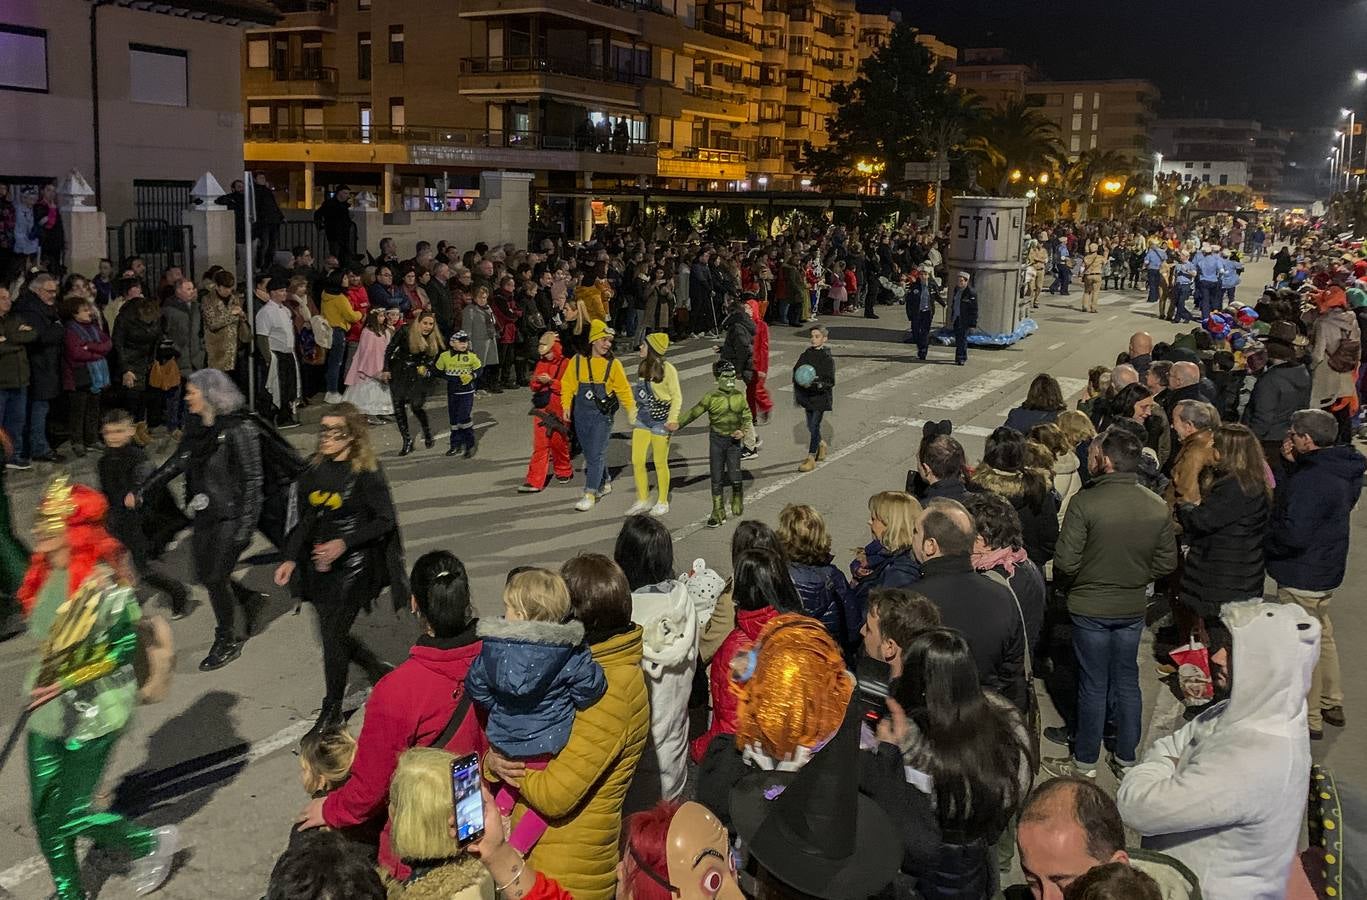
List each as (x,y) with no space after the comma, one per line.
(411,99)
(1216,173)
(1109,115)
(1261,150)
(169,103)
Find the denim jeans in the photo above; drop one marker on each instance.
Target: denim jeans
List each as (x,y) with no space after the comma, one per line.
(1180,294)
(13,416)
(35,435)
(336,353)
(1155,280)
(814,430)
(1107,653)
(1207,297)
(594,431)
(175,406)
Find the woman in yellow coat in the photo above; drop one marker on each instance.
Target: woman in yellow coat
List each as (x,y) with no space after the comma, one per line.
(580,792)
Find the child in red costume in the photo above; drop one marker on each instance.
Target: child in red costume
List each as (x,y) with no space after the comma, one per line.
(550,431)
(756,393)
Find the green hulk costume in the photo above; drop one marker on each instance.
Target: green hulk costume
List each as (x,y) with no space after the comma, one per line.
(89,638)
(729,417)
(13,563)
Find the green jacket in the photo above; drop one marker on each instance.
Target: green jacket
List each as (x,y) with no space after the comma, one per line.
(1116,538)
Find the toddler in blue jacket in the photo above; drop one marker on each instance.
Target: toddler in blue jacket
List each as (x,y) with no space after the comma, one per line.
(532,675)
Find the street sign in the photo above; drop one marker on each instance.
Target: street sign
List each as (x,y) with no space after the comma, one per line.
(927,171)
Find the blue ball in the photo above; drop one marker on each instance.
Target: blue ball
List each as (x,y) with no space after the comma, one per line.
(804,376)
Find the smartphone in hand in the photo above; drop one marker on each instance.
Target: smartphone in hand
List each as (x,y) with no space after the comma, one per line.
(466,799)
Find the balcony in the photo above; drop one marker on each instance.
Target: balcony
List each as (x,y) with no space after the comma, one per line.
(715,103)
(297,83)
(306,14)
(531,75)
(623,15)
(435,145)
(702,162)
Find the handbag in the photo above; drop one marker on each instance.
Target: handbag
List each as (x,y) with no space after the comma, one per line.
(164,375)
(541,397)
(1033,725)
(655,408)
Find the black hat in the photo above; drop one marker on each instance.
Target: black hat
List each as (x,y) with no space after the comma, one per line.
(803,837)
(277,284)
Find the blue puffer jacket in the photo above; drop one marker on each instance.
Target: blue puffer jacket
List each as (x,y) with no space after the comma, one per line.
(1307,538)
(532,677)
(826,596)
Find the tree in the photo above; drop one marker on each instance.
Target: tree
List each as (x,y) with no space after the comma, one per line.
(1080,178)
(1016,138)
(900,108)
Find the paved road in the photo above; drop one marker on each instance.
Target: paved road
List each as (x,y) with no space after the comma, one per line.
(215,757)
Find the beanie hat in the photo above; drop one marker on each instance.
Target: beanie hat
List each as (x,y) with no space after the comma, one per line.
(659,341)
(1357,298)
(598,330)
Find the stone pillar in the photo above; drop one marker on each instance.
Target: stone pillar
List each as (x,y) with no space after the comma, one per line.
(387,197)
(211,227)
(369,222)
(87,241)
(308,187)
(509,199)
(584,210)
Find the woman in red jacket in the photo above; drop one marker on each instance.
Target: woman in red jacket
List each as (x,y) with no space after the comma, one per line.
(756,393)
(762,589)
(420,704)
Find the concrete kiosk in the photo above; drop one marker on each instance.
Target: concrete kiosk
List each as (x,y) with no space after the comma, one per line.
(986,236)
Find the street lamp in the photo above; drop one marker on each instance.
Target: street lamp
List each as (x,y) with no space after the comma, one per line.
(1157,167)
(763,182)
(1360,76)
(1348,154)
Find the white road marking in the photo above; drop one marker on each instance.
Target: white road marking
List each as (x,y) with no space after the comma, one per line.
(975,389)
(1052,347)
(1069,387)
(34,866)
(894,384)
(779,484)
(969,430)
(842,375)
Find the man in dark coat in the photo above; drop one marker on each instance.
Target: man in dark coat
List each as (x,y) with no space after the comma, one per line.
(922,295)
(973,604)
(1281,390)
(333,218)
(37,308)
(1307,541)
(267,223)
(963,315)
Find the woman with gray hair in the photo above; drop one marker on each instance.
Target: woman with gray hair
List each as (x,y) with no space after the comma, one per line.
(220,457)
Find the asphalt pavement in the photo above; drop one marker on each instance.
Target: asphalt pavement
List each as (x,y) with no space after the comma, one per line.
(215,757)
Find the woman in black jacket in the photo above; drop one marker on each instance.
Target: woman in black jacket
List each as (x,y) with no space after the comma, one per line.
(220,457)
(970,762)
(408,367)
(1004,472)
(137,334)
(345,549)
(1224,562)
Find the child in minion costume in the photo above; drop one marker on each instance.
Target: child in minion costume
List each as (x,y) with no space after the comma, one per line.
(82,608)
(459,367)
(658,403)
(729,415)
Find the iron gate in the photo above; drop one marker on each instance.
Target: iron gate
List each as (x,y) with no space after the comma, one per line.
(159,242)
(161,200)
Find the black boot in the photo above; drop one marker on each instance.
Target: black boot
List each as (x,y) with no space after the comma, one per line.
(330,717)
(427,439)
(224,651)
(471,445)
(253,604)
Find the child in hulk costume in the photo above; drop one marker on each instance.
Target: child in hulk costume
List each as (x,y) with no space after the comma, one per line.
(729,415)
(81,606)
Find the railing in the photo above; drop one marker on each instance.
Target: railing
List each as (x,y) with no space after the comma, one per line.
(833,28)
(326,74)
(548,65)
(306,6)
(730,30)
(450,137)
(708,154)
(707,92)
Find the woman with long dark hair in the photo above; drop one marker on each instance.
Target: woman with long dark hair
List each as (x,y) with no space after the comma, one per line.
(1225,562)
(345,549)
(409,364)
(658,403)
(220,457)
(970,749)
(1004,471)
(1043,403)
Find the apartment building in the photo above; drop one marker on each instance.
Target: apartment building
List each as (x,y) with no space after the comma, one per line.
(1108,115)
(411,99)
(1262,151)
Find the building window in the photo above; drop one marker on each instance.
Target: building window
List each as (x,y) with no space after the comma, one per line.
(1224,179)
(396,43)
(397,119)
(365,123)
(1075,144)
(1092,143)
(23,58)
(1096,101)
(1191,165)
(363,4)
(1077,101)
(1077,121)
(258,115)
(258,53)
(1205,179)
(1034,99)
(363,48)
(1095,119)
(158,75)
(1205,165)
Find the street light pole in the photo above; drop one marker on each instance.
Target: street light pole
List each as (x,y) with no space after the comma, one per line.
(1348,153)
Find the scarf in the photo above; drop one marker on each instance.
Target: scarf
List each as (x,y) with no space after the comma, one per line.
(99,369)
(1006,557)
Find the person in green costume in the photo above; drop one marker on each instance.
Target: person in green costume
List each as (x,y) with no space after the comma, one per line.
(729,416)
(82,608)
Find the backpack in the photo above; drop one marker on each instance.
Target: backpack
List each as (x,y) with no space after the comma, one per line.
(1346,356)
(155,659)
(322,332)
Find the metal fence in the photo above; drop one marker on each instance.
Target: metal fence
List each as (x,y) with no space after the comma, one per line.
(161,200)
(160,244)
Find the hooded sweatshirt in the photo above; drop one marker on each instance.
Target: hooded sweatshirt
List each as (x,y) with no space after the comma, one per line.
(669,648)
(1230,807)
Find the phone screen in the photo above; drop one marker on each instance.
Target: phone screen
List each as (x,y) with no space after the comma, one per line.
(466,799)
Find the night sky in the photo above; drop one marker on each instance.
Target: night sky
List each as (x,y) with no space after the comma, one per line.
(1285,62)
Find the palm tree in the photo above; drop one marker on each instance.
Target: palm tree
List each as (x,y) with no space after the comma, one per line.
(1015,138)
(945,125)
(1081,177)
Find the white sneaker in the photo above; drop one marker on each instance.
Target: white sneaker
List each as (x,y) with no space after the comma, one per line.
(607,488)
(151,871)
(638,507)
(660,509)
(332,397)
(586,503)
